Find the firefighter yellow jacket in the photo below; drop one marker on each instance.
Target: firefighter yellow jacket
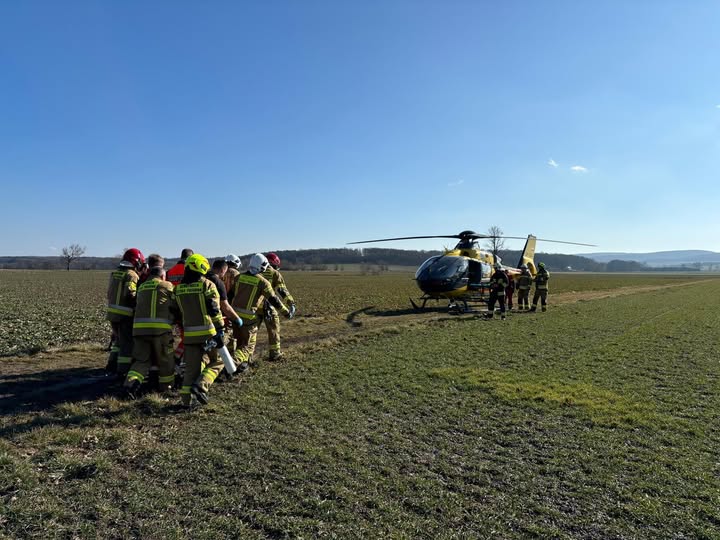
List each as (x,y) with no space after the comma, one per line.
(121,294)
(229,279)
(248,296)
(278,284)
(156,308)
(199,303)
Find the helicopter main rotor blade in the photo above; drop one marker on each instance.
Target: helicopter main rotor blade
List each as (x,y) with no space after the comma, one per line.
(406,238)
(564,242)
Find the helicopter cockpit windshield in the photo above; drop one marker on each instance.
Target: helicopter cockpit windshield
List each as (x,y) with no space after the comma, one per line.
(442,272)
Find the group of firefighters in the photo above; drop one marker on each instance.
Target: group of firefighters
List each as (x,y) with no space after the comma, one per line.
(183,317)
(502,288)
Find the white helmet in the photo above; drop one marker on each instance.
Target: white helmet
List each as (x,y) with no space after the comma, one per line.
(258,263)
(233,260)
(497,266)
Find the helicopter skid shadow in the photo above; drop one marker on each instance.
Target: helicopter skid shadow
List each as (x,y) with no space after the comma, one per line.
(407,311)
(350,319)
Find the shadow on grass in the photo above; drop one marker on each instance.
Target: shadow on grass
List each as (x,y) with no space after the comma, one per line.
(42,390)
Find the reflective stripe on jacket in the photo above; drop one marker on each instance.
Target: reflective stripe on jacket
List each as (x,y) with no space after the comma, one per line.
(249,293)
(200,308)
(121,294)
(524,282)
(155,300)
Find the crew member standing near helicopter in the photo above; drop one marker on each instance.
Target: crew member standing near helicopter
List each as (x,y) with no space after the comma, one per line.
(498,284)
(541,287)
(509,291)
(524,282)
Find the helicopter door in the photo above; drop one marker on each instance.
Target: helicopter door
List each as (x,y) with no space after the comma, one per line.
(476,274)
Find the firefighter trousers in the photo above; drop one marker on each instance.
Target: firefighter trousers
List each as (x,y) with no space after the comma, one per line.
(272,323)
(500,299)
(245,337)
(120,356)
(149,350)
(540,294)
(523,299)
(201,368)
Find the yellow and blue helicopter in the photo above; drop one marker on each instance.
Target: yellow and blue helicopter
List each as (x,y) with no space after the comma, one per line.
(461,275)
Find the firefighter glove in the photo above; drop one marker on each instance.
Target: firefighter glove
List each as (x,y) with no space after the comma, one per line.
(292,310)
(238,322)
(219,344)
(289,314)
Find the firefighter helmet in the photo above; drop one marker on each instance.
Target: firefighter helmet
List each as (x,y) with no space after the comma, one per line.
(274,260)
(258,263)
(497,266)
(541,265)
(197,263)
(523,267)
(133,258)
(233,260)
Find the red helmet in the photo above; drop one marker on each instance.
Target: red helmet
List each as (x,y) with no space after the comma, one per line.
(135,257)
(274,260)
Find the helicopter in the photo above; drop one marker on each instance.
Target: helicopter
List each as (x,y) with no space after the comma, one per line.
(462,275)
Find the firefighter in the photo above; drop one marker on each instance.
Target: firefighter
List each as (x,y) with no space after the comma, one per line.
(155,312)
(524,283)
(498,284)
(217,275)
(541,287)
(233,271)
(509,291)
(121,296)
(268,313)
(176,273)
(250,291)
(198,300)
(153,260)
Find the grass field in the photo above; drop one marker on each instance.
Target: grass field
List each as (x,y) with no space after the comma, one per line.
(597,419)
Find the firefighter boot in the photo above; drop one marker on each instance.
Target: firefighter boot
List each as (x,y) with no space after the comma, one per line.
(132,390)
(544,308)
(533,308)
(200,394)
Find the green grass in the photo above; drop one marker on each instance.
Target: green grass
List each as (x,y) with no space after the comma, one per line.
(597,419)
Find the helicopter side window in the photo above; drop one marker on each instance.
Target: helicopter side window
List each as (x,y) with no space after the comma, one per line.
(425,265)
(444,268)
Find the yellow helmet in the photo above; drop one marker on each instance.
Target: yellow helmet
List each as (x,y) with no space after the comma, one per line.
(198,263)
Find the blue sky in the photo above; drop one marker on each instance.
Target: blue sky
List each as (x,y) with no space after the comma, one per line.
(271,125)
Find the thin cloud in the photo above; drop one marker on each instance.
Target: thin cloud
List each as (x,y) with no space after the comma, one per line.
(552,163)
(457,183)
(53,248)
(578,169)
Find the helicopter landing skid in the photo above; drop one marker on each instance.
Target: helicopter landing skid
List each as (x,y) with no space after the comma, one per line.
(457,306)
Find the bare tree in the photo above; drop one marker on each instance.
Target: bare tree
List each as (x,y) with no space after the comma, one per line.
(495,243)
(72,252)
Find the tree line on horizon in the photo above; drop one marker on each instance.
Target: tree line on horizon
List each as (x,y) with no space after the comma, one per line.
(336,258)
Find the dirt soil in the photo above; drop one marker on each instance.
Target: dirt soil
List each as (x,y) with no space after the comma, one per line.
(40,381)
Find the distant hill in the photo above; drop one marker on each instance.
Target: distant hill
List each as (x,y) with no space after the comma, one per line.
(320,259)
(661,258)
